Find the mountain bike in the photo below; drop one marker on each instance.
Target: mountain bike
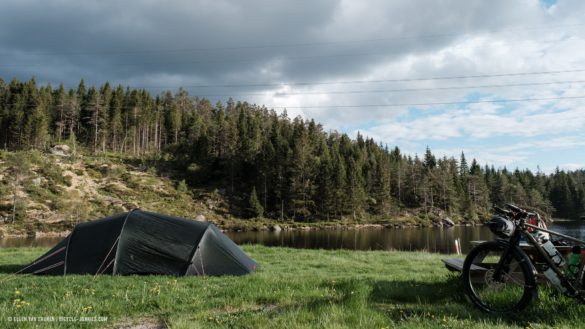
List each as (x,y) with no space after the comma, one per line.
(500,277)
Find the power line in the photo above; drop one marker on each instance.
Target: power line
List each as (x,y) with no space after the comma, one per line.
(368,105)
(457,77)
(295,45)
(398,90)
(259,60)
(427,104)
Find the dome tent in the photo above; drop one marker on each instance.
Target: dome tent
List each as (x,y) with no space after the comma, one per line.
(141,242)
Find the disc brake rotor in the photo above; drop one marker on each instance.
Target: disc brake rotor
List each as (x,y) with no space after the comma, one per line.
(491,282)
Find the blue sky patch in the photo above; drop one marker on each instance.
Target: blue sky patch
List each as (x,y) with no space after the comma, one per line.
(548,3)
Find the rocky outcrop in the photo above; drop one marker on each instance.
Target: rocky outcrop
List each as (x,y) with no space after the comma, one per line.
(60,150)
(448,222)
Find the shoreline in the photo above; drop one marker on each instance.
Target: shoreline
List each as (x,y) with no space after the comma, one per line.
(272,227)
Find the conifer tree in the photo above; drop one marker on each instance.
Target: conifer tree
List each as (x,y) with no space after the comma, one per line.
(255,209)
(60,105)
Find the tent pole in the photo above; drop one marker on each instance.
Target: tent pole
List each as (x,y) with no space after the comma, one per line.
(122,231)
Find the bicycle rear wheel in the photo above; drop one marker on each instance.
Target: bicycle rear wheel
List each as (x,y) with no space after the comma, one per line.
(511,291)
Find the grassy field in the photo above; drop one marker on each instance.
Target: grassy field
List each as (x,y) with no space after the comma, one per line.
(292,289)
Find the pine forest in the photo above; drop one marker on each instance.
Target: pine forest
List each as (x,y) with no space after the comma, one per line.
(268,164)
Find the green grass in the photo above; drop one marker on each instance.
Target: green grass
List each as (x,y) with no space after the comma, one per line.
(292,289)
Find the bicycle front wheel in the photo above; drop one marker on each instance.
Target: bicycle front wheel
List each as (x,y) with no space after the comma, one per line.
(507,291)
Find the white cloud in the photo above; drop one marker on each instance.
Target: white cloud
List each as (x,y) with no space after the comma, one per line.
(479,122)
(571,166)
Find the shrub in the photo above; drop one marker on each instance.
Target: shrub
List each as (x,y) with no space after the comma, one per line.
(151,171)
(182,187)
(117,172)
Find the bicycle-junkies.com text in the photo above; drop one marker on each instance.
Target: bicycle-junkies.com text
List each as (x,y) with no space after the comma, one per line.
(57,318)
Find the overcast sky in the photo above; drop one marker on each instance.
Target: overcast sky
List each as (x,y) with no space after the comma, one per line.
(501,80)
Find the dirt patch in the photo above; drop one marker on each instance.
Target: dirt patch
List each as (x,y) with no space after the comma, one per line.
(144,324)
(82,183)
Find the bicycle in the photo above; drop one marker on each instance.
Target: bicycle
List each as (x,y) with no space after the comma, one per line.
(499,277)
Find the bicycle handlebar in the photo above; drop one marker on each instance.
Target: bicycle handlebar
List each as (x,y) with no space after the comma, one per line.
(515,212)
(502,211)
(514,208)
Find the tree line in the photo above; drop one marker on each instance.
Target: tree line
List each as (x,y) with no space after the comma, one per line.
(270,165)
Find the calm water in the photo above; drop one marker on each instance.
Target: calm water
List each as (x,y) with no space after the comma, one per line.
(430,239)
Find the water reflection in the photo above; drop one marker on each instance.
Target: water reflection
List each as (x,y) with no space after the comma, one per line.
(439,240)
(429,239)
(29,242)
(573,228)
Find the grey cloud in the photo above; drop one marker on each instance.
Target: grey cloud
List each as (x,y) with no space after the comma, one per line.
(92,37)
(67,40)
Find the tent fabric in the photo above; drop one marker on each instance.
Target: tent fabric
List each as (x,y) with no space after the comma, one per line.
(141,242)
(215,245)
(90,242)
(51,263)
(152,243)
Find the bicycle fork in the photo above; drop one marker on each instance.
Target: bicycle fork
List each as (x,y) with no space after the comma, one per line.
(502,268)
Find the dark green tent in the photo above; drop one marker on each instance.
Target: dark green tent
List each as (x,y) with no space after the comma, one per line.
(141,242)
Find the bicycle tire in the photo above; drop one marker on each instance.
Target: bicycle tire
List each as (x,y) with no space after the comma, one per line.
(512,292)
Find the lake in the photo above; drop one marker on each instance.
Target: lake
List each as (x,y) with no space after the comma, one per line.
(440,240)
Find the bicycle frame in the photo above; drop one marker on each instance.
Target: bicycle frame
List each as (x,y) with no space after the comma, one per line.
(539,248)
(522,230)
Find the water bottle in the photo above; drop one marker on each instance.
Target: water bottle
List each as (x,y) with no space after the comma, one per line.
(553,278)
(553,253)
(574,261)
(559,261)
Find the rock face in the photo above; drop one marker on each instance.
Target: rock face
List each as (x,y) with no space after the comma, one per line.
(276,228)
(61,150)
